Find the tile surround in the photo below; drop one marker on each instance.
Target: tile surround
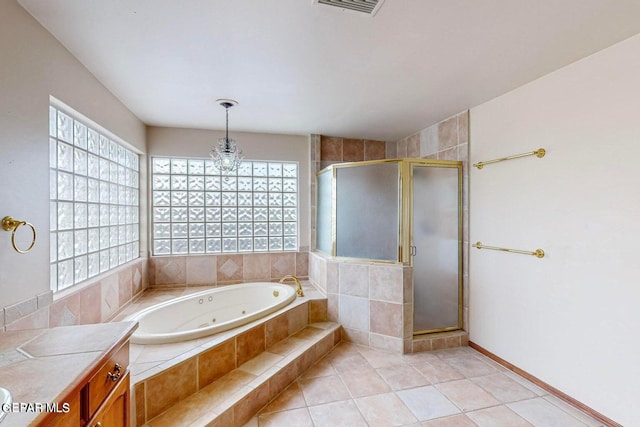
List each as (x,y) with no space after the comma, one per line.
(239,393)
(266,348)
(98,300)
(337,150)
(101,299)
(207,270)
(373,302)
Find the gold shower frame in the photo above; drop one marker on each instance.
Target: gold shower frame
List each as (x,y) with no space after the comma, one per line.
(405,217)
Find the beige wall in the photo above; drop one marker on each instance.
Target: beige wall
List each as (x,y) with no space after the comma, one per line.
(569,319)
(164,141)
(34,67)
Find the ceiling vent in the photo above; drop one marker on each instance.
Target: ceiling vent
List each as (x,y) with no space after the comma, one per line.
(370,7)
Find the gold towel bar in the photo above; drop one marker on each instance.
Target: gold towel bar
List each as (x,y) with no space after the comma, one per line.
(12,224)
(538,252)
(540,152)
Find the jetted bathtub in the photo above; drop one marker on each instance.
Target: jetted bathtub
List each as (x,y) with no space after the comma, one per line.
(209,312)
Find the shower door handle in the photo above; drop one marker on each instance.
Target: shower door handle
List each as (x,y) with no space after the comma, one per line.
(413,251)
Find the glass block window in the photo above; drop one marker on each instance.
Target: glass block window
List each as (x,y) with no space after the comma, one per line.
(196,209)
(94,196)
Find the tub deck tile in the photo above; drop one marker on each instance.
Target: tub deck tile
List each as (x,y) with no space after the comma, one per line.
(237,396)
(156,357)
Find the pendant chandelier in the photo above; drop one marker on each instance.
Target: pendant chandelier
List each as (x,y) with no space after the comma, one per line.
(226,156)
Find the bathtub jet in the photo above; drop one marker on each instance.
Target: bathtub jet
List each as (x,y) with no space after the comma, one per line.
(209,312)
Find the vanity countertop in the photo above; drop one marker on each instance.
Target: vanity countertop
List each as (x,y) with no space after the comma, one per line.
(45,365)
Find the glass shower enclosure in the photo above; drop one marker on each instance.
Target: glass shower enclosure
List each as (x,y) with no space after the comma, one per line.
(404,211)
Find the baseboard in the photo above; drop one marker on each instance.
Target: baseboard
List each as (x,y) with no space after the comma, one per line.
(543,385)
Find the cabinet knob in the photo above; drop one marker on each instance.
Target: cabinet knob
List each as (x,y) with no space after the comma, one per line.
(113,377)
(98,424)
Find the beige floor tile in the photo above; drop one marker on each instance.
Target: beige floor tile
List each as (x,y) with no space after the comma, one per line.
(326,390)
(574,412)
(497,416)
(345,348)
(542,413)
(364,383)
(348,361)
(293,417)
(466,395)
(290,398)
(401,377)
(470,366)
(446,353)
(420,358)
(438,371)
(385,410)
(427,403)
(504,388)
(459,420)
(321,369)
(526,383)
(380,359)
(498,367)
(321,390)
(337,414)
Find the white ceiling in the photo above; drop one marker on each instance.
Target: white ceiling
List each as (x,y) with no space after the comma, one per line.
(299,67)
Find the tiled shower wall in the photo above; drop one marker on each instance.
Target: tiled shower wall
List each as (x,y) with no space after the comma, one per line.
(327,150)
(374,302)
(370,300)
(337,150)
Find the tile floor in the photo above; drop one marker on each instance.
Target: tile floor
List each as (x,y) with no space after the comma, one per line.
(359,386)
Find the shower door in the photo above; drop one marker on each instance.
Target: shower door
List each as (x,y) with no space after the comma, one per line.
(436,249)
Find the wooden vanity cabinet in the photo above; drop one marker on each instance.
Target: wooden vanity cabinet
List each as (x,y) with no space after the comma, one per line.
(115,410)
(104,397)
(71,418)
(111,373)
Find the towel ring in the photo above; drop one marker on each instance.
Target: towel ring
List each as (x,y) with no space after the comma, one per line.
(9,224)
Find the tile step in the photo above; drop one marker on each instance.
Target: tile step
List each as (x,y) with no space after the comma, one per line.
(235,398)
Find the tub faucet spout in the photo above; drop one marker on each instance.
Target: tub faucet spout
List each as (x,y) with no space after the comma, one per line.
(295,279)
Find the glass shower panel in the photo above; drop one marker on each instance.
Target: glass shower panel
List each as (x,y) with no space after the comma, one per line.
(367,201)
(323,222)
(435,248)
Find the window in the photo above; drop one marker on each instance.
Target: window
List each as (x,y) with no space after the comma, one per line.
(94,196)
(198,210)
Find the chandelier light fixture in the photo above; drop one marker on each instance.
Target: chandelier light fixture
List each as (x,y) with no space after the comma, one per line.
(226,156)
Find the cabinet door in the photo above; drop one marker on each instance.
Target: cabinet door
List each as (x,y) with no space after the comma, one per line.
(102,383)
(115,411)
(71,418)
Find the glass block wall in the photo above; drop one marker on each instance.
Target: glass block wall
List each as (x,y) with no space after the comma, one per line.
(198,210)
(94,196)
